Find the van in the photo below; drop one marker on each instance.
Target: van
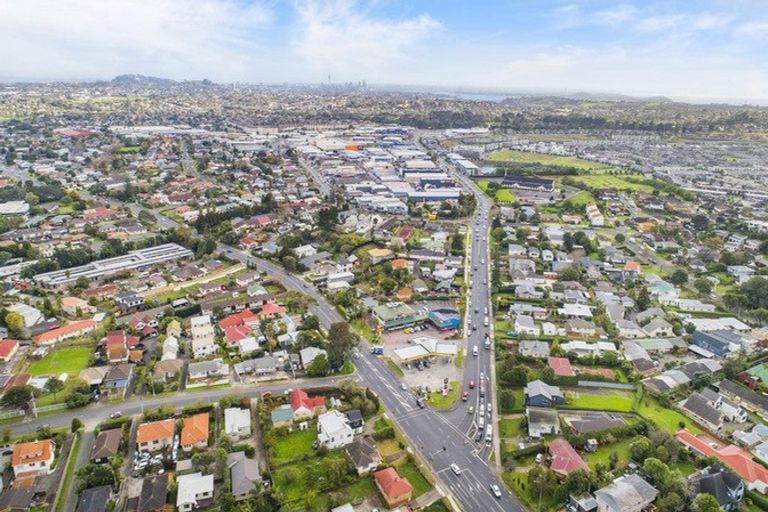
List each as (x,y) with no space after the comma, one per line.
(474,351)
(489,434)
(481,423)
(485,321)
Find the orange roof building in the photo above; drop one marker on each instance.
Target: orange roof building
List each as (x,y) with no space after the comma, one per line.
(395,489)
(155,435)
(33,458)
(399,263)
(8,349)
(71,330)
(194,433)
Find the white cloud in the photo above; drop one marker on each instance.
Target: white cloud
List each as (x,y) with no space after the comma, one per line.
(621,13)
(83,38)
(339,36)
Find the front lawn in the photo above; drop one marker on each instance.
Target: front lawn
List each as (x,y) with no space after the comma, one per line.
(414,476)
(509,427)
(66,360)
(617,401)
(518,482)
(603,454)
(293,446)
(666,419)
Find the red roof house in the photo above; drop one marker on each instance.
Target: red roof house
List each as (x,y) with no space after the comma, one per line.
(561,366)
(7,349)
(305,407)
(564,458)
(245,317)
(271,310)
(395,489)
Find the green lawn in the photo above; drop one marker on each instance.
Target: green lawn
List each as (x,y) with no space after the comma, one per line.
(603,453)
(414,476)
(65,360)
(69,472)
(580,200)
(509,427)
(504,195)
(362,489)
(293,446)
(613,182)
(509,155)
(460,358)
(438,401)
(293,482)
(518,482)
(666,419)
(394,367)
(616,401)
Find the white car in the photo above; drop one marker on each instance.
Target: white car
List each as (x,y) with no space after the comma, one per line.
(455,468)
(495,490)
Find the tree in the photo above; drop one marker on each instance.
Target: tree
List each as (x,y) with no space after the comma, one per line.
(641,449)
(657,471)
(679,277)
(18,397)
(700,222)
(53,386)
(76,425)
(642,298)
(15,324)
(319,367)
(576,483)
(620,238)
(94,475)
(703,286)
(327,218)
(704,503)
(670,502)
(341,341)
(31,198)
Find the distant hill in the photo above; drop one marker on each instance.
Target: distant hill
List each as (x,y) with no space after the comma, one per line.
(136,80)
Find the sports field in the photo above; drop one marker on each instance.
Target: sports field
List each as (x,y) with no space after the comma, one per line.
(523,157)
(605,181)
(65,360)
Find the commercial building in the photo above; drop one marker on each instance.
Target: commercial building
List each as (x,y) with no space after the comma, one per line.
(397,315)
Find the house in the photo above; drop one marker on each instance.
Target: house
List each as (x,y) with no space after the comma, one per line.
(305,407)
(363,454)
(701,410)
(237,422)
(542,422)
(154,491)
(533,348)
(561,366)
(155,435)
(244,475)
(167,369)
(727,488)
(720,342)
(194,490)
(194,432)
(118,377)
(525,326)
(106,445)
(70,330)
(658,328)
(282,416)
(629,493)
(540,394)
(8,349)
(754,475)
(214,369)
(95,499)
(203,337)
(75,306)
(309,354)
(564,458)
(395,489)
(333,430)
(581,327)
(17,499)
(33,458)
(355,420)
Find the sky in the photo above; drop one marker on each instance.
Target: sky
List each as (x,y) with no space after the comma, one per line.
(706,50)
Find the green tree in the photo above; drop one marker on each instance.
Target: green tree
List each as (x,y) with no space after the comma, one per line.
(341,342)
(76,425)
(18,397)
(15,324)
(679,277)
(703,286)
(641,449)
(94,475)
(704,503)
(54,386)
(670,502)
(319,367)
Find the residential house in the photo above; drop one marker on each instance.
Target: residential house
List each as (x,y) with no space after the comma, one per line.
(355,420)
(304,407)
(244,475)
(533,348)
(561,366)
(214,369)
(564,458)
(70,330)
(118,378)
(155,435)
(525,326)
(237,422)
(540,394)
(75,306)
(542,422)
(193,491)
(727,488)
(194,432)
(94,499)
(203,337)
(282,416)
(364,455)
(333,430)
(33,458)
(154,492)
(106,445)
(167,370)
(8,349)
(629,493)
(395,489)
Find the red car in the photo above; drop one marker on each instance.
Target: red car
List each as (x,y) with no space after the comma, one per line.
(465,396)
(471,384)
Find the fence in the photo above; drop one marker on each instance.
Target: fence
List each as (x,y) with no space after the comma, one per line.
(608,385)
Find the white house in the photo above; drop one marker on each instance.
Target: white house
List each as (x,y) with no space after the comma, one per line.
(333,430)
(237,422)
(194,490)
(33,458)
(203,337)
(524,325)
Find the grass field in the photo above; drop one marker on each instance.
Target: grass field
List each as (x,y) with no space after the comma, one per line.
(603,454)
(503,195)
(293,446)
(293,482)
(580,200)
(412,473)
(518,482)
(65,360)
(438,401)
(613,182)
(666,419)
(508,155)
(509,427)
(616,401)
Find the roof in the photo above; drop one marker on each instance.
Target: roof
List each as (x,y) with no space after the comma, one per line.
(189,486)
(282,413)
(732,456)
(564,458)
(238,319)
(717,481)
(107,443)
(236,418)
(244,472)
(7,346)
(155,431)
(561,366)
(299,399)
(392,484)
(625,493)
(94,499)
(700,406)
(195,429)
(34,451)
(363,452)
(538,387)
(154,491)
(64,330)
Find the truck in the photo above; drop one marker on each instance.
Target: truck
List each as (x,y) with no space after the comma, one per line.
(377,350)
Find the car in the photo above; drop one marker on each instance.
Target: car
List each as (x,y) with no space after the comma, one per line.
(403,387)
(479,435)
(419,403)
(471,384)
(455,468)
(465,396)
(482,375)
(488,407)
(495,490)
(115,414)
(471,409)
(474,327)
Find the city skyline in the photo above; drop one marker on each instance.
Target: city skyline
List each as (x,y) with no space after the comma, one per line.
(710,51)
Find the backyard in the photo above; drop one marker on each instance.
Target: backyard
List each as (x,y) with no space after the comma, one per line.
(65,360)
(616,401)
(293,446)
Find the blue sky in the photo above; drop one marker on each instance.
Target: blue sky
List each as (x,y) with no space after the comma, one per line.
(704,50)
